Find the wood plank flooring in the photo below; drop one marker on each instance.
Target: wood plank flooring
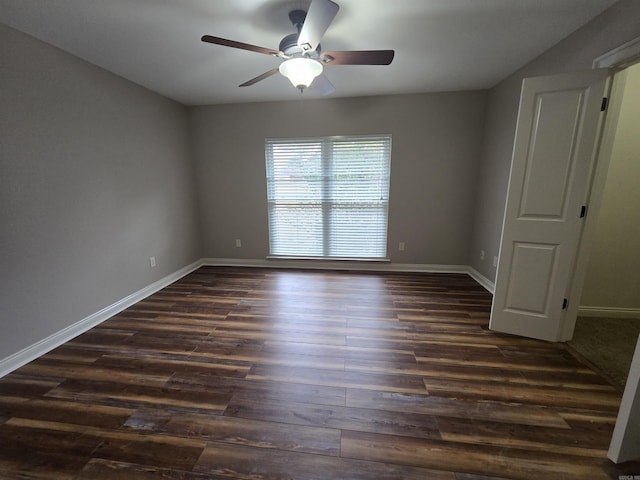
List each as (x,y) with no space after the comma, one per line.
(285,374)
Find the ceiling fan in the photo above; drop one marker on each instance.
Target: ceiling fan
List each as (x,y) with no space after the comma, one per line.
(303,59)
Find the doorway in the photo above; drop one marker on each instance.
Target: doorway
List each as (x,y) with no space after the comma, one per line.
(612,192)
(625,443)
(609,315)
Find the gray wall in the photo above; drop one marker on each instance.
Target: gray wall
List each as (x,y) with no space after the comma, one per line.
(95,177)
(434,165)
(613,27)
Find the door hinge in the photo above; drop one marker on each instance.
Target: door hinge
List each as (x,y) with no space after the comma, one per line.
(565,302)
(605,102)
(583,211)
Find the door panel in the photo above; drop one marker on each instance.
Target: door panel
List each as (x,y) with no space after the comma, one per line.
(554,152)
(550,158)
(531,261)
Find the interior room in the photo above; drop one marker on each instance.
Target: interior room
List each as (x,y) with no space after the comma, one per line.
(133,197)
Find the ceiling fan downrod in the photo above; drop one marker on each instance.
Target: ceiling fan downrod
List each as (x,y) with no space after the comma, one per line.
(297,17)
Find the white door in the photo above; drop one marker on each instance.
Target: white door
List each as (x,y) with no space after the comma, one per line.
(553,157)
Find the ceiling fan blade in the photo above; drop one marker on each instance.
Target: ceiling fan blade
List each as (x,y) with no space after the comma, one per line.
(320,15)
(242,46)
(323,85)
(358,57)
(248,83)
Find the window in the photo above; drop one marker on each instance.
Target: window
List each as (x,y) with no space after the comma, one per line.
(328,197)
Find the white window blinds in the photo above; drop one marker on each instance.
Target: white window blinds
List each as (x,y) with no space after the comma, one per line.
(328,197)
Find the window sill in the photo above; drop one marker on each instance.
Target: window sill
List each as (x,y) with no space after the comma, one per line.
(329,259)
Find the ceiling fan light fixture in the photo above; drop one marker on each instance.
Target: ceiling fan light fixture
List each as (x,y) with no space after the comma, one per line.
(301,71)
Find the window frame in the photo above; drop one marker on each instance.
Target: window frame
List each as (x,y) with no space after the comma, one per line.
(328,200)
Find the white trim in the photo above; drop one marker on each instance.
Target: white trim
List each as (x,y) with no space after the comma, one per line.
(426,268)
(625,55)
(47,344)
(619,57)
(624,445)
(352,265)
(482,280)
(328,259)
(608,312)
(358,265)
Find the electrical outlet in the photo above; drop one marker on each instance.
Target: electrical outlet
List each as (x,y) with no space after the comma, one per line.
(495,261)
(152,261)
(401,246)
(481,254)
(238,243)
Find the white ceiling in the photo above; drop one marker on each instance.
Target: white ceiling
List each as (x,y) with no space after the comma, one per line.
(440,45)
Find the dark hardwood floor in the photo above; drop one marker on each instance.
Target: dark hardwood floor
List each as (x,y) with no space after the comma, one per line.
(282,374)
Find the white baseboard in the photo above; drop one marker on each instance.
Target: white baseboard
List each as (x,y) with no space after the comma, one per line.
(482,280)
(352,265)
(608,312)
(358,265)
(45,345)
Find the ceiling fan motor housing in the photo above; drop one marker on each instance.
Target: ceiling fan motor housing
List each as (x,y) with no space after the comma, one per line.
(289,44)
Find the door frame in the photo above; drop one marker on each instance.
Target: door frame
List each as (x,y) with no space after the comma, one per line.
(617,60)
(593,199)
(625,434)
